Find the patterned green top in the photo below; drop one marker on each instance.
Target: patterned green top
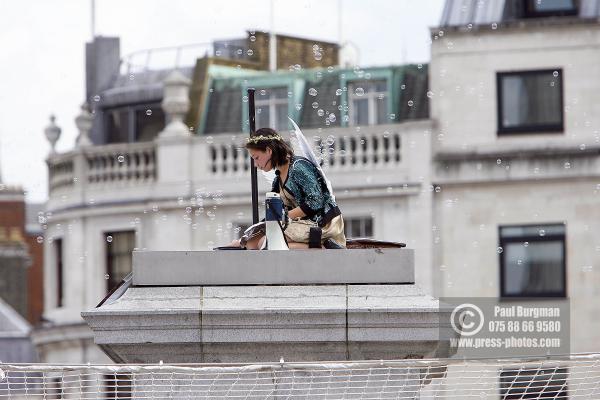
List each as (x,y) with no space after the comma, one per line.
(307,185)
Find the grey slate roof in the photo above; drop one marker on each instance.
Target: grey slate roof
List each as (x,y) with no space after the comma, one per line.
(482,12)
(325,97)
(224,112)
(145,87)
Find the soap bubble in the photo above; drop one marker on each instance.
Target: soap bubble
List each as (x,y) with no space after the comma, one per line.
(312,91)
(359,91)
(148,112)
(109,239)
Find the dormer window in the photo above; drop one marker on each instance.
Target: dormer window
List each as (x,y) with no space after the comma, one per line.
(368,102)
(272,108)
(549,8)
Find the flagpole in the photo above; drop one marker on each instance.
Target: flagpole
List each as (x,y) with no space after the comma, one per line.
(253,175)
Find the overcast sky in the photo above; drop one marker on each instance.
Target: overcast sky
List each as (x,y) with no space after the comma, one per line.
(42,48)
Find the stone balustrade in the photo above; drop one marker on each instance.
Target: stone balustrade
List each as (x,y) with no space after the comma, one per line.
(60,172)
(110,165)
(379,151)
(339,149)
(134,162)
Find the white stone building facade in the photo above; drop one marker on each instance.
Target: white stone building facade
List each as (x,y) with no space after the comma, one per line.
(461,182)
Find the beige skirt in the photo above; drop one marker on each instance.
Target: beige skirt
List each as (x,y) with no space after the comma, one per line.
(298,230)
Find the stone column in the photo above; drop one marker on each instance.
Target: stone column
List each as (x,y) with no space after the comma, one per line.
(176,103)
(174,142)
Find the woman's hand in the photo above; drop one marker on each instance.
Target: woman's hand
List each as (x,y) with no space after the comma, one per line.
(296,213)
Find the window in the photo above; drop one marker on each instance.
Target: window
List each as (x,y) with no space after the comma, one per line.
(53,388)
(532,261)
(58,253)
(134,124)
(368,102)
(119,246)
(548,383)
(358,227)
(549,8)
(530,101)
(118,386)
(272,108)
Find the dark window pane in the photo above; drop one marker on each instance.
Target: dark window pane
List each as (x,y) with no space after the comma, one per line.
(549,383)
(533,260)
(117,125)
(58,249)
(119,247)
(533,269)
(531,100)
(553,5)
(361,111)
(382,114)
(368,232)
(279,93)
(262,117)
(358,227)
(533,230)
(149,121)
(368,102)
(281,123)
(118,386)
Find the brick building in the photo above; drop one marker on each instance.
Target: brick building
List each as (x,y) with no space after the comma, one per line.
(21,254)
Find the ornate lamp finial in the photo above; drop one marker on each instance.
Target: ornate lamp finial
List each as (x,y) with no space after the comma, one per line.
(176,103)
(52,133)
(84,124)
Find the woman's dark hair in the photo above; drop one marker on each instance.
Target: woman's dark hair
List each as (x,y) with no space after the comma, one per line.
(267,137)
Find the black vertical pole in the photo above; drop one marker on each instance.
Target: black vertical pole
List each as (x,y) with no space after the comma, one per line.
(253,176)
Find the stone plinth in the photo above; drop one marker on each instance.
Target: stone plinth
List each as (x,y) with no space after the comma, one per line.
(207,268)
(260,306)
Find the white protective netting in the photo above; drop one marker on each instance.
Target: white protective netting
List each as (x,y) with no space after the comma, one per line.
(576,376)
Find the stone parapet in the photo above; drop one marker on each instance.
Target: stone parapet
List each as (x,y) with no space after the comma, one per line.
(221,314)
